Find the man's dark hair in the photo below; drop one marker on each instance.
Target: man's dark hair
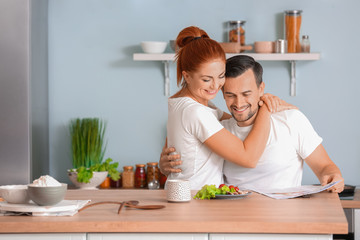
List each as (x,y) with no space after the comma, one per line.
(237,65)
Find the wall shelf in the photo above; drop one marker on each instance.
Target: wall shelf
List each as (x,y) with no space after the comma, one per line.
(166,58)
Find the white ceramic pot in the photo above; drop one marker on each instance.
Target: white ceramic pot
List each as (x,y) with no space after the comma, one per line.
(95,181)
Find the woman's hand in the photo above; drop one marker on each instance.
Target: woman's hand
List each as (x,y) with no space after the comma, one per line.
(168,162)
(275,104)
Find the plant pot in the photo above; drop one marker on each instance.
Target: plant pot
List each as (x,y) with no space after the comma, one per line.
(96,180)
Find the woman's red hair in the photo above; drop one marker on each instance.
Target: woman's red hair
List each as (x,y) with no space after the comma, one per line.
(196,48)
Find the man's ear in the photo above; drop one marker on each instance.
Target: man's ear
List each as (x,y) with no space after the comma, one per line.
(261,89)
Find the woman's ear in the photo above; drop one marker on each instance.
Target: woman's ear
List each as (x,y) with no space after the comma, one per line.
(186,76)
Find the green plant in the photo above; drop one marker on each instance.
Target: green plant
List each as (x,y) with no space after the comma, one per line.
(87,141)
(85,174)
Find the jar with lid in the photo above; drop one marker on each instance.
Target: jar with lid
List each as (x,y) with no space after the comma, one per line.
(128,177)
(140,176)
(236,32)
(152,175)
(292,25)
(305,44)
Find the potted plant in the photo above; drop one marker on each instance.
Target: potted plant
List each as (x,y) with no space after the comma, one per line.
(88,148)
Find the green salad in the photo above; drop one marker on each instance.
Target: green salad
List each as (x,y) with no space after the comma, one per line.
(209,191)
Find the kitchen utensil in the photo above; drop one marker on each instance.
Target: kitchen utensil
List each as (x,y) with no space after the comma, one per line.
(234,47)
(178,190)
(47,195)
(15,193)
(153,46)
(264,47)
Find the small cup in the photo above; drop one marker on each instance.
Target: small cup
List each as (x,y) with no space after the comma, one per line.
(178,190)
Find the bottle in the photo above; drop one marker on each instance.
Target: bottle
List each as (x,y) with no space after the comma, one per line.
(305,44)
(140,176)
(128,177)
(152,175)
(106,183)
(292,30)
(237,32)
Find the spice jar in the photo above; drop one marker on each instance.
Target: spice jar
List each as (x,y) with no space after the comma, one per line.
(152,175)
(305,44)
(292,30)
(237,32)
(140,176)
(128,177)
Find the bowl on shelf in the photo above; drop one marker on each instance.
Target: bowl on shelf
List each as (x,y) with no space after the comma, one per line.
(47,195)
(264,47)
(15,193)
(153,46)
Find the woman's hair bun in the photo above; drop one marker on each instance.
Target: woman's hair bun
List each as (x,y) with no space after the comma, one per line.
(190,34)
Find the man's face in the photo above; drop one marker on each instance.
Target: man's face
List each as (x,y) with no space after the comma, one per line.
(242,96)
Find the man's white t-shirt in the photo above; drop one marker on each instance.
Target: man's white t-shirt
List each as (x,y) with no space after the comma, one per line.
(189,125)
(292,139)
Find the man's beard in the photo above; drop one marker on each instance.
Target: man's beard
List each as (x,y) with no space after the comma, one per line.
(248,117)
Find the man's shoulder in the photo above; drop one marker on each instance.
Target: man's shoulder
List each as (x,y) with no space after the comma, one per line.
(292,115)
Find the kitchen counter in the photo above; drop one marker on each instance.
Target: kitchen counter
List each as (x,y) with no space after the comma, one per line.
(321,213)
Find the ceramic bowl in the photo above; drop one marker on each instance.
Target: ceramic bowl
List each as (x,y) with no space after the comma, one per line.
(47,196)
(15,193)
(153,47)
(264,47)
(96,180)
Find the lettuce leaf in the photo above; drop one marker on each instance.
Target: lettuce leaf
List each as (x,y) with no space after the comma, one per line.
(209,191)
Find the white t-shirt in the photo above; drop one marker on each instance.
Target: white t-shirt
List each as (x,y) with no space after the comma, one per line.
(292,139)
(189,125)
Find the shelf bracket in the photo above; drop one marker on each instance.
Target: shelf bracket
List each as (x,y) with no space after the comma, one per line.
(167,78)
(293,79)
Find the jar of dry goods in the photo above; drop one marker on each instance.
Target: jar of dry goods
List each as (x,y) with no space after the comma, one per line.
(152,175)
(128,177)
(292,24)
(140,176)
(237,32)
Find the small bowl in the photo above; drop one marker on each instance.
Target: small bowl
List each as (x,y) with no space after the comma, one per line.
(153,47)
(15,193)
(264,47)
(47,196)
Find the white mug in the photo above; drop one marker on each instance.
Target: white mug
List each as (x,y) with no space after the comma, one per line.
(178,190)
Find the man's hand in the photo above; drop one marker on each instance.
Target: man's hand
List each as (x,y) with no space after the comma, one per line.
(168,162)
(275,104)
(337,188)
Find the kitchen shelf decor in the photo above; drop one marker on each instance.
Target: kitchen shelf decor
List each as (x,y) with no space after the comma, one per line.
(166,58)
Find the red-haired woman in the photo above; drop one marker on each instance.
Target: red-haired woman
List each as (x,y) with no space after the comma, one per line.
(194,127)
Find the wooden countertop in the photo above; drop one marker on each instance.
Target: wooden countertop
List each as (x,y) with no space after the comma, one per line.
(322,213)
(355,203)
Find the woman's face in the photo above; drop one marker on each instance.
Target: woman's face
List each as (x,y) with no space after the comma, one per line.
(206,81)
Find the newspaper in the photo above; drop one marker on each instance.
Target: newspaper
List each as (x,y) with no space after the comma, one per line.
(293,192)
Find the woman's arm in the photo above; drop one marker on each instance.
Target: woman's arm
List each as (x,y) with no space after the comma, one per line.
(245,153)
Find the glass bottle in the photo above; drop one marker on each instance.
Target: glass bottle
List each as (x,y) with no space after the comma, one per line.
(128,177)
(237,32)
(152,175)
(292,30)
(140,176)
(305,44)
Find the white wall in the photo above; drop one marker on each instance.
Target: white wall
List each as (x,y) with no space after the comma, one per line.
(92,74)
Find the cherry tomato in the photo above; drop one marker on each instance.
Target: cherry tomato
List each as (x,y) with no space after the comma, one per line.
(236,189)
(221,185)
(231,186)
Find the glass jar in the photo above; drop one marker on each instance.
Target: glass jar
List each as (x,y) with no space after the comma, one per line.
(106,183)
(152,175)
(305,44)
(140,176)
(237,32)
(292,25)
(128,177)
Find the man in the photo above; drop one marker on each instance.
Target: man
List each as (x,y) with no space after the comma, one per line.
(292,139)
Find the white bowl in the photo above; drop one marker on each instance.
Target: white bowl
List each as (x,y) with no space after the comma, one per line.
(15,193)
(96,180)
(153,47)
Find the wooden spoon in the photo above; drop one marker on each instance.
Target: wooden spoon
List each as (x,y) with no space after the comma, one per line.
(145,207)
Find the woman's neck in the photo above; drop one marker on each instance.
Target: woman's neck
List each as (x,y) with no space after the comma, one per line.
(185,92)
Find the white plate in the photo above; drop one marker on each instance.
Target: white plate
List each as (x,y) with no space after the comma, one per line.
(63,206)
(228,196)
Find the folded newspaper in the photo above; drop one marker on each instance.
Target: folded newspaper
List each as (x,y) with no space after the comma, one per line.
(293,192)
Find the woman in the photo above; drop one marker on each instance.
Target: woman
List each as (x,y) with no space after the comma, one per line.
(193,121)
